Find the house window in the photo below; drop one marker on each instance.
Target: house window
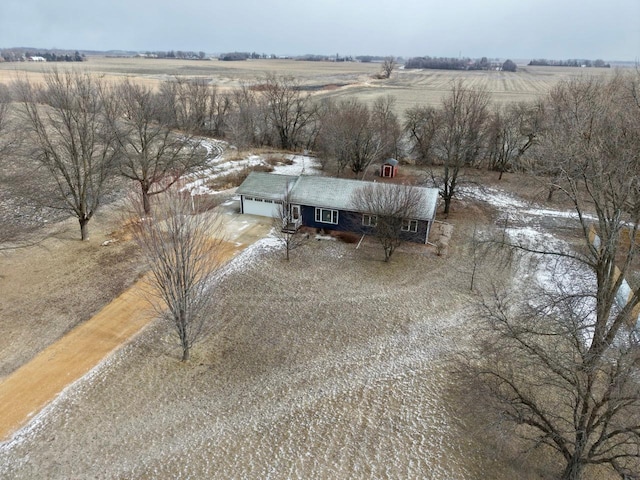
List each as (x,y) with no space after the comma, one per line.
(324,215)
(409,225)
(248,198)
(369,220)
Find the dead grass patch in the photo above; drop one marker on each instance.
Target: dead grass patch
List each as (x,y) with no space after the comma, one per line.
(346,237)
(236,177)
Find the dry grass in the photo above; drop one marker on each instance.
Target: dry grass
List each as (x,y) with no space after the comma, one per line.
(236,177)
(49,288)
(332,365)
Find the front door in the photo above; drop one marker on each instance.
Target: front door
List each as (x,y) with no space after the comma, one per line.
(295,213)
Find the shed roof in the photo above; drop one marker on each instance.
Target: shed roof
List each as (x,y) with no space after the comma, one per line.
(266,185)
(391,161)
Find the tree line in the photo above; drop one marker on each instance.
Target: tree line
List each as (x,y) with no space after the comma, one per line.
(599,63)
(17,55)
(451,63)
(150,136)
(184,55)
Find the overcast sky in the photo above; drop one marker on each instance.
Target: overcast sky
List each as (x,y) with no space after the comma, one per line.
(519,29)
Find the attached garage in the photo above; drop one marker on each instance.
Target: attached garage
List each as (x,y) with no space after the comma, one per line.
(258,206)
(261,194)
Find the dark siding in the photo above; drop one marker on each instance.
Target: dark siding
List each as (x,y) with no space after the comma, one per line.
(418,237)
(352,222)
(347,221)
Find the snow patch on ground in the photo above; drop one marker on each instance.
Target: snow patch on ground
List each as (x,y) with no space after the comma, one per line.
(494,197)
(550,273)
(250,255)
(506,202)
(301,165)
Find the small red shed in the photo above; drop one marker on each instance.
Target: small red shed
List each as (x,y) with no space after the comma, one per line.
(389,168)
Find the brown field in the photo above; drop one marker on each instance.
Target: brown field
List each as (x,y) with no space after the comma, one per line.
(333,80)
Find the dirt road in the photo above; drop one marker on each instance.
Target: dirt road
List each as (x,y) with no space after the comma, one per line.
(31,387)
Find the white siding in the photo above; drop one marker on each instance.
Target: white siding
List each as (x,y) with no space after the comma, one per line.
(261,208)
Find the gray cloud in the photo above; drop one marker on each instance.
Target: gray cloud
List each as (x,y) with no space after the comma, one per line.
(494,28)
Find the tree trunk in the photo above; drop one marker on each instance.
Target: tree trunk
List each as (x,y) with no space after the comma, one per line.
(182,323)
(84,228)
(388,251)
(447,204)
(575,465)
(573,470)
(146,200)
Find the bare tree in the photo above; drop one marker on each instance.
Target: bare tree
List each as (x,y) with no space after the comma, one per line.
(248,123)
(386,212)
(152,155)
(6,139)
(9,135)
(349,136)
(477,255)
(183,249)
(290,110)
(193,105)
(287,222)
(511,131)
(386,123)
(219,106)
(421,126)
(563,362)
(388,66)
(459,139)
(66,121)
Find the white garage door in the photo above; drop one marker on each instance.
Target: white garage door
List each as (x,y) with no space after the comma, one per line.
(257,206)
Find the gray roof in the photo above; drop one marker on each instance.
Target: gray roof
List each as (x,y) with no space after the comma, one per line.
(325,192)
(391,161)
(319,191)
(266,185)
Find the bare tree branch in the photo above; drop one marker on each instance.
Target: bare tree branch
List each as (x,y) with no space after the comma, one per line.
(565,363)
(387,210)
(152,155)
(183,250)
(66,122)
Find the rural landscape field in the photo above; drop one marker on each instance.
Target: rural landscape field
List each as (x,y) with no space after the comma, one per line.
(330,79)
(335,364)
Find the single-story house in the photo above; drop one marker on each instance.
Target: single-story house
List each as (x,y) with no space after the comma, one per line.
(325,202)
